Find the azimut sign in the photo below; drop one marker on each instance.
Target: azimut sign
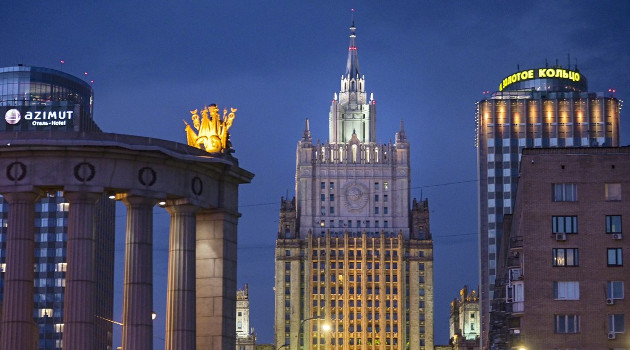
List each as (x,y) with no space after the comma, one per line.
(36,118)
(540,73)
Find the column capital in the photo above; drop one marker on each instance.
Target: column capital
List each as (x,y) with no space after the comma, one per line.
(132,200)
(82,197)
(29,196)
(180,206)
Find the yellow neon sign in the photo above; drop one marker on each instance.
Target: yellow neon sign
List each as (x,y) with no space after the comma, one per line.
(557,73)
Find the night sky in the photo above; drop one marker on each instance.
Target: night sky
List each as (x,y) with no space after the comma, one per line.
(280,62)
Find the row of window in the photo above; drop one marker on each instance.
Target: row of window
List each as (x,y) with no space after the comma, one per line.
(377,186)
(570,256)
(359,223)
(351,278)
(567,192)
(351,253)
(352,265)
(358,290)
(570,290)
(571,323)
(569,224)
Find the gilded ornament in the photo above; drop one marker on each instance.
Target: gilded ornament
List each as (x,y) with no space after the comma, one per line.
(211,130)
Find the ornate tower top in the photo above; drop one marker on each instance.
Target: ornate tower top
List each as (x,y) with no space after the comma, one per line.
(352,66)
(350,110)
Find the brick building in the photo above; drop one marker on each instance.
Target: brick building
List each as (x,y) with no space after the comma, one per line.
(562,281)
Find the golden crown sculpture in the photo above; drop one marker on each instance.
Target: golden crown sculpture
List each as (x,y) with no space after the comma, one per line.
(212,132)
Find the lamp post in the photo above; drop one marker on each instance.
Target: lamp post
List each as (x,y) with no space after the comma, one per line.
(325,328)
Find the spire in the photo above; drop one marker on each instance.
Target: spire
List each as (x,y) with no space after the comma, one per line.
(306,137)
(401,136)
(352,67)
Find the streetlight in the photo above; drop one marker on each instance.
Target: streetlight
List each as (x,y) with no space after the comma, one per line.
(325,328)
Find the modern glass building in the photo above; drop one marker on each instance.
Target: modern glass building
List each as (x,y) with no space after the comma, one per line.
(541,107)
(47,100)
(37,99)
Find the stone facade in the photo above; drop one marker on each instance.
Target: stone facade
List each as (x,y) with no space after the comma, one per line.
(199,192)
(353,252)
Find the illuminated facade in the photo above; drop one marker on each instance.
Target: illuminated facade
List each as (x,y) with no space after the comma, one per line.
(464,324)
(562,282)
(353,251)
(542,107)
(49,100)
(245,337)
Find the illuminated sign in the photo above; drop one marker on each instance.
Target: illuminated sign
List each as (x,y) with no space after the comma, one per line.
(540,73)
(38,118)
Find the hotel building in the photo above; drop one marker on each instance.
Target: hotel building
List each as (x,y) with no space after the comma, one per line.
(561,280)
(354,255)
(541,107)
(42,99)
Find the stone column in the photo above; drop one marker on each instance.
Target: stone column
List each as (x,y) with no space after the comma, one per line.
(18,328)
(137,332)
(216,279)
(79,312)
(180,297)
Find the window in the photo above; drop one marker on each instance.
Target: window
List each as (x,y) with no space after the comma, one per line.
(332,210)
(375,210)
(332,185)
(613,223)
(616,323)
(566,290)
(566,323)
(564,192)
(612,192)
(614,289)
(322,185)
(384,198)
(564,224)
(565,257)
(376,197)
(385,210)
(332,197)
(385,185)
(376,185)
(323,197)
(615,257)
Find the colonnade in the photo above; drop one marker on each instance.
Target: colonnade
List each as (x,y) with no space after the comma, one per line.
(201,273)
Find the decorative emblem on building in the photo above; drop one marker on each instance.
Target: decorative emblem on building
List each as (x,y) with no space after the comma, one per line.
(212,131)
(356,196)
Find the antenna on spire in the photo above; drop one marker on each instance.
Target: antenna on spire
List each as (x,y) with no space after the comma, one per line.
(352,16)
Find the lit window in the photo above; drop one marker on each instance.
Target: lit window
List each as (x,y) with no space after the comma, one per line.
(566,290)
(612,192)
(615,257)
(565,257)
(614,289)
(564,192)
(566,323)
(332,185)
(613,223)
(63,207)
(385,185)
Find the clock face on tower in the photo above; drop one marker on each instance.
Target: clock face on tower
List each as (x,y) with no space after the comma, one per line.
(356,196)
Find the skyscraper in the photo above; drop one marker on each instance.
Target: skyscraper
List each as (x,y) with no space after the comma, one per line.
(541,107)
(354,255)
(43,99)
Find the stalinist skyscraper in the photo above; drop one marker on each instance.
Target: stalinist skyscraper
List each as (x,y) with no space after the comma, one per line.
(354,255)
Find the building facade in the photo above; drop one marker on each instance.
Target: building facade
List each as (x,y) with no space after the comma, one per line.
(245,337)
(562,281)
(42,99)
(354,255)
(542,107)
(464,321)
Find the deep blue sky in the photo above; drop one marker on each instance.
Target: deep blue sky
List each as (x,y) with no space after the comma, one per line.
(280,62)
